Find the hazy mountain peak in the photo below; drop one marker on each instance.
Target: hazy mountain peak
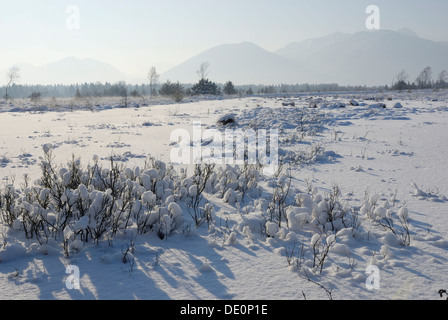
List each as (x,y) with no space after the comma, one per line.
(236,47)
(69,70)
(407,32)
(369,57)
(297,51)
(242,63)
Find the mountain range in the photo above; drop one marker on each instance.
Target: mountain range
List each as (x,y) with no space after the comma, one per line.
(243,63)
(69,70)
(363,58)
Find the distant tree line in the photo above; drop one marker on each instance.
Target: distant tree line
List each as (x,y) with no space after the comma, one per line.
(425,80)
(76,90)
(204,86)
(168,88)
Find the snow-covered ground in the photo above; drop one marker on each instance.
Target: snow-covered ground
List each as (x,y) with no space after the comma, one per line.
(356,177)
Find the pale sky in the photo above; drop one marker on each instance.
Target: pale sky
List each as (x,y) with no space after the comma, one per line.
(134,35)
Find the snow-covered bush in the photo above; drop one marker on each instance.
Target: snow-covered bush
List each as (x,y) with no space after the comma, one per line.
(383,215)
(76,205)
(72,204)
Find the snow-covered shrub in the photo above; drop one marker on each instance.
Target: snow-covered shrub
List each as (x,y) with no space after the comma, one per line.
(196,186)
(382,214)
(280,201)
(297,217)
(332,211)
(8,198)
(271,229)
(73,205)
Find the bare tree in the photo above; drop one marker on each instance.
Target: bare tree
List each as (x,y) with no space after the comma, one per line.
(424,78)
(399,82)
(12,77)
(153,77)
(401,76)
(443,76)
(203,70)
(124,93)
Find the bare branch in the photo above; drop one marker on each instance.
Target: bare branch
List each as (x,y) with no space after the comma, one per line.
(153,77)
(203,70)
(12,76)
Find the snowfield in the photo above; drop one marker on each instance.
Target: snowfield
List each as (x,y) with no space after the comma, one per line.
(356,210)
